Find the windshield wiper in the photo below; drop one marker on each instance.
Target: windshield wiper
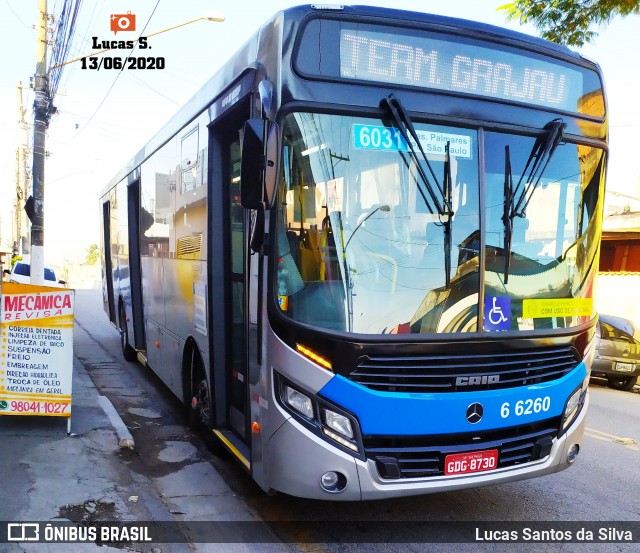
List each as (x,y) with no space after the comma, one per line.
(516,200)
(447,184)
(508,206)
(440,195)
(541,154)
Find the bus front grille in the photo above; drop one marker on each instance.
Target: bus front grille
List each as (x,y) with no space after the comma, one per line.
(464,372)
(424,456)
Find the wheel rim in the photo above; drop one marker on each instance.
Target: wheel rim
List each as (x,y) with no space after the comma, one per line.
(204,404)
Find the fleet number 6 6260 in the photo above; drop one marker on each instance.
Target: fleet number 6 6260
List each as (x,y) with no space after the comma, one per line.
(526,407)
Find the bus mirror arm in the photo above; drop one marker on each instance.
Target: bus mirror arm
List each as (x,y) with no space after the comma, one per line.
(258,237)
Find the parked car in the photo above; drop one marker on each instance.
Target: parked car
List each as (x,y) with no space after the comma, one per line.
(21,273)
(617,356)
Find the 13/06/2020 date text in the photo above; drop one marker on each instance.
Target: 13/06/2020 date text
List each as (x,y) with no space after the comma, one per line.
(115,62)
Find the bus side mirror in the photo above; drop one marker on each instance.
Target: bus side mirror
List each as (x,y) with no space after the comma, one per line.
(259,163)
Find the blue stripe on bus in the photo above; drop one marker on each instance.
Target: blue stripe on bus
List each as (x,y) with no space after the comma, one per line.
(408,414)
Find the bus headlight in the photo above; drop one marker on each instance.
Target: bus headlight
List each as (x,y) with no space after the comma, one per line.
(574,404)
(338,427)
(339,423)
(299,402)
(326,420)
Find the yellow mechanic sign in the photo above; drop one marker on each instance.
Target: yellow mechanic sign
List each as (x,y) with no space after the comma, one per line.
(557,307)
(36,350)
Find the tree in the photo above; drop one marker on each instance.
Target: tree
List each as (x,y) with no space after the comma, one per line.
(93,254)
(569,22)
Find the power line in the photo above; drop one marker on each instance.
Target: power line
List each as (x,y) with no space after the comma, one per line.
(88,31)
(124,65)
(17,16)
(153,89)
(64,33)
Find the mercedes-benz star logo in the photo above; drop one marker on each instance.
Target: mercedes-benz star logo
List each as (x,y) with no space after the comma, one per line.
(474,413)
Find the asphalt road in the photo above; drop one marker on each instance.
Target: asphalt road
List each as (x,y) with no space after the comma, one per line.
(603,485)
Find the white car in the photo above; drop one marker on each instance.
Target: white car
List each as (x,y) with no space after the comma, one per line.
(21,273)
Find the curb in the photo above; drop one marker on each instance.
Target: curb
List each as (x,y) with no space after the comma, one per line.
(125,439)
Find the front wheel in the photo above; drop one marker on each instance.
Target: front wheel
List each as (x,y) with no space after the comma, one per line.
(201,405)
(622,383)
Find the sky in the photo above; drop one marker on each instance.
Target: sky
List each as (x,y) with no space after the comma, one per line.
(105,116)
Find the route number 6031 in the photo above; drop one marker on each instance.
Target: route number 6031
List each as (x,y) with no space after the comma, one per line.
(374,137)
(526,407)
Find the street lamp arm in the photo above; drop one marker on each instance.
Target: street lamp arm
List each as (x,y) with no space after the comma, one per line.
(384,208)
(217,18)
(345,265)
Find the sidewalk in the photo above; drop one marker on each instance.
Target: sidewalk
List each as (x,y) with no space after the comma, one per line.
(47,475)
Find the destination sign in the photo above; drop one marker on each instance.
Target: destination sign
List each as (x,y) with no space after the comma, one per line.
(389,139)
(459,67)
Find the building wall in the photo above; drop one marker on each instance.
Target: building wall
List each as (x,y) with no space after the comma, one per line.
(617,294)
(620,256)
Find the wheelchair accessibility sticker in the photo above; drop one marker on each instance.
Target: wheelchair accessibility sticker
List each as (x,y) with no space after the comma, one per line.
(497,313)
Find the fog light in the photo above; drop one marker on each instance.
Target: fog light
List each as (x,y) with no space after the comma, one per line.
(329,480)
(333,482)
(573,453)
(299,402)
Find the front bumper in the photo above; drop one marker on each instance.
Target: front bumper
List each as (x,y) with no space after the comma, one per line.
(297,459)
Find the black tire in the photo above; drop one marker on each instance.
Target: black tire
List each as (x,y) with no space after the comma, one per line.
(200,404)
(127,351)
(622,383)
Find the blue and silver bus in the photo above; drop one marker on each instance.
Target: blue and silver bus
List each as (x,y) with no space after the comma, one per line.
(364,254)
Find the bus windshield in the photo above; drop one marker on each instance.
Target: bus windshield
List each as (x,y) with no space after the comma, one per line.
(362,246)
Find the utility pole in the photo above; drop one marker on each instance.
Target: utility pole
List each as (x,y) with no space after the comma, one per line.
(22,179)
(42,108)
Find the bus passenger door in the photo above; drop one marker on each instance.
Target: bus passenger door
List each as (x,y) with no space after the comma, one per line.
(108,261)
(135,272)
(228,275)
(237,227)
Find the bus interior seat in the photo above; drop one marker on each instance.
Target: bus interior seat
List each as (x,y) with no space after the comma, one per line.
(329,268)
(309,254)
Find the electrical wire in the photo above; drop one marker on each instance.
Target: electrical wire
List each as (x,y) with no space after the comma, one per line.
(82,41)
(124,65)
(63,37)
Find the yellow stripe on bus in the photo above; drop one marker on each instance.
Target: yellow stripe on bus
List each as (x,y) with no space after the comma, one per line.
(233,449)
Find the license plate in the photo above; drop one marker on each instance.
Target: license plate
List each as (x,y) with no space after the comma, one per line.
(475,461)
(625,367)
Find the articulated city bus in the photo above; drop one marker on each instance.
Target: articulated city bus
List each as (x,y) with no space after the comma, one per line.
(364,254)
